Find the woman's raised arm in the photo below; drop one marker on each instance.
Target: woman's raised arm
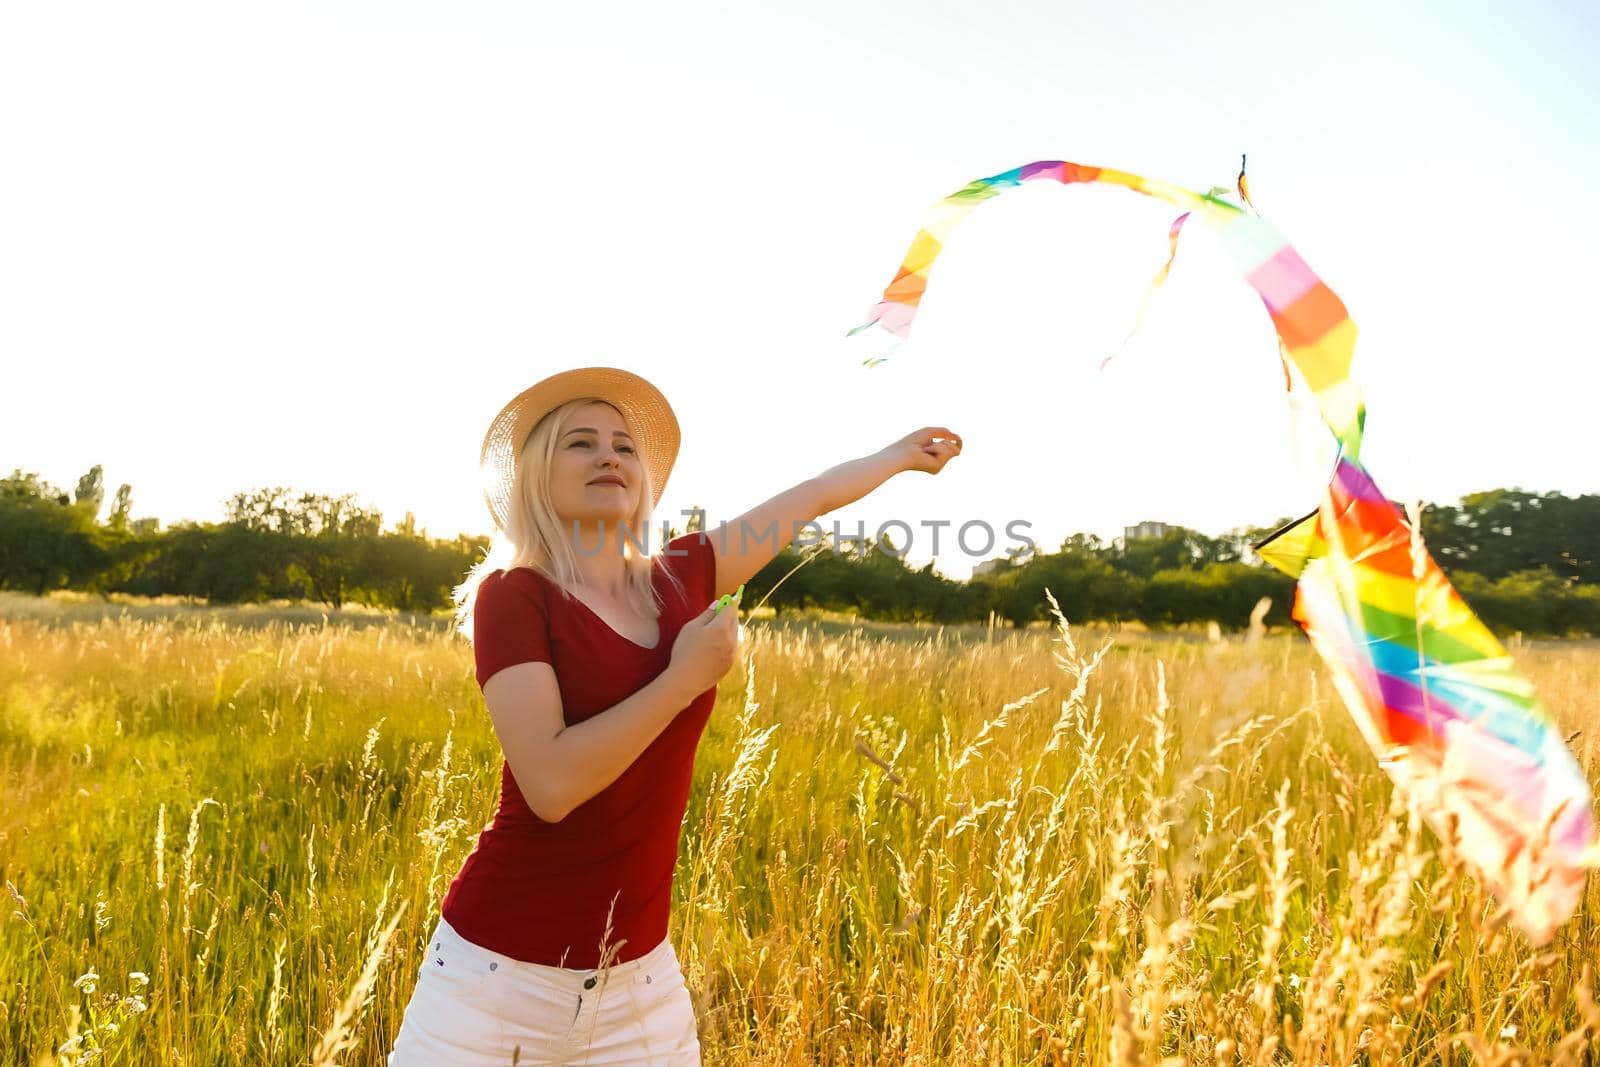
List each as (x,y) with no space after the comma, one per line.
(750,541)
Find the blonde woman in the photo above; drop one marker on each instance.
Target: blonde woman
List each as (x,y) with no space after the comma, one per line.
(599,665)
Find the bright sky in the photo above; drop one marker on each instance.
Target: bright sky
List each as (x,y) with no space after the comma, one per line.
(320,244)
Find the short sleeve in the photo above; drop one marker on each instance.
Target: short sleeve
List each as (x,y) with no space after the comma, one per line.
(510,623)
(697,568)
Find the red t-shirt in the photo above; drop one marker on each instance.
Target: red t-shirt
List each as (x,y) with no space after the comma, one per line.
(539,891)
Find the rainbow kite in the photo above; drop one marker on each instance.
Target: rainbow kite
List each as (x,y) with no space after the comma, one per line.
(1433,692)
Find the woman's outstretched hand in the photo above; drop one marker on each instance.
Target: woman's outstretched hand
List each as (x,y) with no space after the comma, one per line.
(928,449)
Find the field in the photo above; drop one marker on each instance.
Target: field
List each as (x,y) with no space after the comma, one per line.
(225,836)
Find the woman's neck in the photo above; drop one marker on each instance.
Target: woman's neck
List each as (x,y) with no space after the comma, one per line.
(600,562)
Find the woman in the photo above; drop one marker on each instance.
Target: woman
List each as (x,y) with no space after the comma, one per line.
(599,666)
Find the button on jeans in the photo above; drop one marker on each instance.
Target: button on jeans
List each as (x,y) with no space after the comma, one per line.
(472,1007)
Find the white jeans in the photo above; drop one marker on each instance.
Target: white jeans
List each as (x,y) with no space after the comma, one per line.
(472,1007)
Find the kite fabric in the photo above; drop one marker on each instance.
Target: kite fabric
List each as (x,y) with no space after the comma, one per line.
(1173,233)
(1436,696)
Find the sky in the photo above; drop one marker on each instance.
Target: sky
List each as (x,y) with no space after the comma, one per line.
(319,245)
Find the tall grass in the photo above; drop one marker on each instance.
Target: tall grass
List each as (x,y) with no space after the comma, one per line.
(224,841)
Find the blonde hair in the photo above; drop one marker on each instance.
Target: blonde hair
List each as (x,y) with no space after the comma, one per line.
(534,536)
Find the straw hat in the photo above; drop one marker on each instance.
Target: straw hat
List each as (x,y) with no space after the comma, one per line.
(648,416)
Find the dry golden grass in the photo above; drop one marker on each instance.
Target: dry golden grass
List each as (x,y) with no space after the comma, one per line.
(224,840)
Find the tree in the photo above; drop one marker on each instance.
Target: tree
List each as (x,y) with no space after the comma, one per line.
(18,484)
(120,506)
(1178,548)
(1497,533)
(47,541)
(91,492)
(269,509)
(333,533)
(407,572)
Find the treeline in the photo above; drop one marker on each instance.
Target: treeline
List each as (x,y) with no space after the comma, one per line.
(1524,561)
(1182,578)
(274,544)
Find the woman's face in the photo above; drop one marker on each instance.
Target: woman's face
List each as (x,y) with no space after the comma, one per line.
(593,452)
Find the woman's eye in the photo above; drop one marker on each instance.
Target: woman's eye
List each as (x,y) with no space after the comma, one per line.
(625,448)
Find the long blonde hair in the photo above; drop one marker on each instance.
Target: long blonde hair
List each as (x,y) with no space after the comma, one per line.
(533,536)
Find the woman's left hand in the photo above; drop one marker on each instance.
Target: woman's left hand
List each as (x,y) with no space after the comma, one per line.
(928,449)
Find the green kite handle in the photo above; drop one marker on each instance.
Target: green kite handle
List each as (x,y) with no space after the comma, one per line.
(727,598)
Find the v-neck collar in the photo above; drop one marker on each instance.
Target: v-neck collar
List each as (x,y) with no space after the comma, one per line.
(595,615)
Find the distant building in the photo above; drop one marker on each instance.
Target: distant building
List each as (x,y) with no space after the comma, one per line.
(1145,529)
(1014,557)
